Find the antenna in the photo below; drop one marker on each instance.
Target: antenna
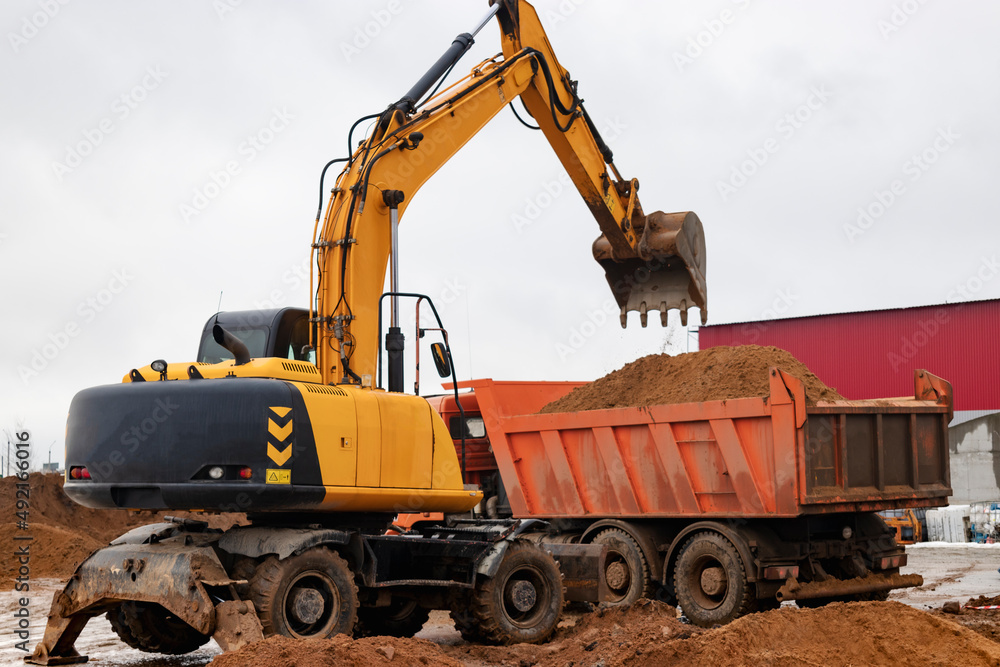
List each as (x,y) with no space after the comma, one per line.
(219,309)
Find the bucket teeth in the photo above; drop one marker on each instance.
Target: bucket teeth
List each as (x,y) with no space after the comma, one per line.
(624,318)
(666,272)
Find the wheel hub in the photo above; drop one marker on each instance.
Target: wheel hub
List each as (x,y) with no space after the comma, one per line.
(523,595)
(307,605)
(713,580)
(616,574)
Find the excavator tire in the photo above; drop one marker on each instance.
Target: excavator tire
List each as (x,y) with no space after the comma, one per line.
(710,581)
(308,596)
(404,617)
(151,628)
(521,603)
(626,568)
(465,621)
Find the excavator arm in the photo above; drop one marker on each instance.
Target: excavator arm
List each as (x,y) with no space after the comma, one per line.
(654,262)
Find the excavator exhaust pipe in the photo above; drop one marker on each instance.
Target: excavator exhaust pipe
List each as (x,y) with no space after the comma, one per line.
(669,272)
(239,350)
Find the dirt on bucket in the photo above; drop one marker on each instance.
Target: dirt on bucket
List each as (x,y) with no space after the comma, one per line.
(715,374)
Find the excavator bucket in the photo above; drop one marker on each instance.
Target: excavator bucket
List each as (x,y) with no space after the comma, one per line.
(669,272)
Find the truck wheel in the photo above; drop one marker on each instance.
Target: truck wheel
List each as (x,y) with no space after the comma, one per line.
(404,617)
(311,595)
(711,582)
(625,568)
(151,628)
(521,603)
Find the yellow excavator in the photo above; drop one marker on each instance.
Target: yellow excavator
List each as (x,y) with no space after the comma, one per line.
(285,417)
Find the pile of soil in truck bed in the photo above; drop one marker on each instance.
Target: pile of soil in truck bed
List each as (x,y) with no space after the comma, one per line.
(648,633)
(64,533)
(715,374)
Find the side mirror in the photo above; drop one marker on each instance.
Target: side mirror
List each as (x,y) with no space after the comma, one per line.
(441,359)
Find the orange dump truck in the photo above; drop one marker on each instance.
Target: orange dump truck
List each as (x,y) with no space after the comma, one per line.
(722,507)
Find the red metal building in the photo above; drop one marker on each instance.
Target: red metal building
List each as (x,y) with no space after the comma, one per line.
(873,354)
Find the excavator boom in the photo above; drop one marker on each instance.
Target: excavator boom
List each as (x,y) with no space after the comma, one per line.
(652,263)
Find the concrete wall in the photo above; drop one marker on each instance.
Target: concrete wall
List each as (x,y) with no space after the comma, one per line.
(975,460)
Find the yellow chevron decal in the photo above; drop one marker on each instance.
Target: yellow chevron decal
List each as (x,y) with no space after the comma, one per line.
(281,412)
(280,458)
(281,433)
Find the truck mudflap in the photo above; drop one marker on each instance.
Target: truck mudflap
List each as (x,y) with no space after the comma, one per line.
(834,588)
(175,576)
(582,567)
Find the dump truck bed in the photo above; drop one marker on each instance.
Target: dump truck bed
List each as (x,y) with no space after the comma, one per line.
(763,457)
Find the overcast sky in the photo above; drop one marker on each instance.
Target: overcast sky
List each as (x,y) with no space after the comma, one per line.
(842,156)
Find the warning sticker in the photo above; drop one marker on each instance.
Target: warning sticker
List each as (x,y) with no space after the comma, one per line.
(275,476)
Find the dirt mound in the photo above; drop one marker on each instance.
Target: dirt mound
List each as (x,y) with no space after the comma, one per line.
(983,601)
(718,373)
(617,636)
(280,651)
(64,533)
(860,633)
(985,622)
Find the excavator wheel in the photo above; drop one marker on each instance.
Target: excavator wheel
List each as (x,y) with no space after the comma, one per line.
(311,595)
(465,621)
(625,568)
(404,617)
(710,581)
(521,603)
(151,628)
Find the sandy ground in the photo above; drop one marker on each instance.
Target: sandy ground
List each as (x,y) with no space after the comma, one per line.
(951,572)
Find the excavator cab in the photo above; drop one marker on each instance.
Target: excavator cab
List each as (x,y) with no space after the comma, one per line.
(274,332)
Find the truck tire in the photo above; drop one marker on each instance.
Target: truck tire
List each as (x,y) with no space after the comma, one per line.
(521,603)
(311,595)
(625,568)
(151,628)
(710,581)
(404,617)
